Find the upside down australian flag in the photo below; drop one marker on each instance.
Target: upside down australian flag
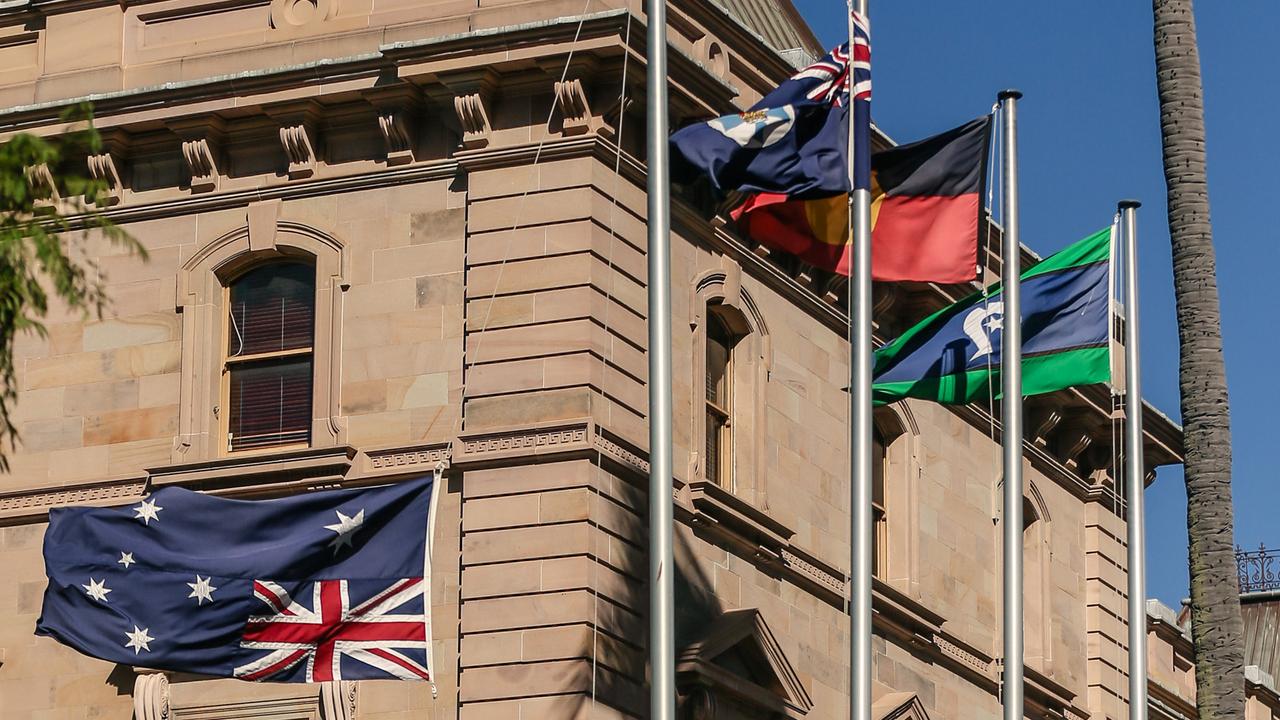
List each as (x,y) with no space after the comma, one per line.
(330,585)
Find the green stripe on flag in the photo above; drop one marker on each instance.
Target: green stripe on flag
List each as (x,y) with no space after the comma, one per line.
(1040,374)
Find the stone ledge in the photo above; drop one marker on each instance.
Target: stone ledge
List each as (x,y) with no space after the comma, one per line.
(33,505)
(256,474)
(545,442)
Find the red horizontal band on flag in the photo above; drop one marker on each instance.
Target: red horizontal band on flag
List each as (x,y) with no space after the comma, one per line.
(813,230)
(927,239)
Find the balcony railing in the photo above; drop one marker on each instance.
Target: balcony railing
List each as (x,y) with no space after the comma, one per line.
(1258,569)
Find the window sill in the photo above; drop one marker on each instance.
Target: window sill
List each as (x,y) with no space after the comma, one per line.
(256,474)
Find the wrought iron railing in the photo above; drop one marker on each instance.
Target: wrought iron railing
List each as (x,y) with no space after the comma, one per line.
(1258,569)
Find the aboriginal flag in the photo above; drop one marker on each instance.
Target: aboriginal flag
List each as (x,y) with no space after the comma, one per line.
(926,205)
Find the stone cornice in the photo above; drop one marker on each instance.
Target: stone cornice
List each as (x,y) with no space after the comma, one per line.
(32,505)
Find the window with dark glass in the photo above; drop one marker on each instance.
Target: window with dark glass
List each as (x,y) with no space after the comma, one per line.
(269,356)
(719,398)
(880,530)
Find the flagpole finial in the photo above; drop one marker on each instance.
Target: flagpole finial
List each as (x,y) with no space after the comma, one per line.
(1009,94)
(1128,204)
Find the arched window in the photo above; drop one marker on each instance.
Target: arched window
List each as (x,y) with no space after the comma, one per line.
(267,368)
(719,400)
(880,527)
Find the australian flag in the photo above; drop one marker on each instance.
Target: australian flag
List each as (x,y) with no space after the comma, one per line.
(330,585)
(794,141)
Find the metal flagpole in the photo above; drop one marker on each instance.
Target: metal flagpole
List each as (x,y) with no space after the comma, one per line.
(1134,473)
(1011,413)
(662,641)
(860,424)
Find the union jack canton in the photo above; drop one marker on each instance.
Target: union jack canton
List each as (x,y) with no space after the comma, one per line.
(795,140)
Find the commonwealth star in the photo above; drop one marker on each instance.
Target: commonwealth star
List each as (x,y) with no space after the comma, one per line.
(346,528)
(139,640)
(148,511)
(97,589)
(201,590)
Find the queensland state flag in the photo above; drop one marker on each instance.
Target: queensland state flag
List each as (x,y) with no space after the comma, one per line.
(794,141)
(953,356)
(330,585)
(926,208)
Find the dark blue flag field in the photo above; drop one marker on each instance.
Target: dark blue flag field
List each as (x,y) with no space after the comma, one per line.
(330,585)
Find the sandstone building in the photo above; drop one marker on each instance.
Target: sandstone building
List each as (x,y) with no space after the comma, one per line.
(422,225)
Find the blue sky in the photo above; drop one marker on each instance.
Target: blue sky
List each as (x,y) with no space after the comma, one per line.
(1089,130)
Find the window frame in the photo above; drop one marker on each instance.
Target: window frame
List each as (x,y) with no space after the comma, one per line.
(202,304)
(723,473)
(226,360)
(718,289)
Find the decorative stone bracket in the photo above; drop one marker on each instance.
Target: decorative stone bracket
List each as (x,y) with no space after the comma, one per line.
(151,696)
(474,119)
(201,150)
(43,186)
(397,132)
(103,168)
(299,148)
(571,99)
(338,700)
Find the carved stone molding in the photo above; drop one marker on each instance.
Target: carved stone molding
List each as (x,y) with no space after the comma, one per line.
(299,149)
(960,654)
(202,166)
(571,99)
(262,474)
(151,696)
(397,133)
(829,580)
(301,13)
(34,503)
(551,437)
(424,458)
(474,119)
(338,700)
(40,179)
(103,168)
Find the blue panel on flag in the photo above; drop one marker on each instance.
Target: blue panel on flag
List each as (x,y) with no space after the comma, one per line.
(1061,310)
(322,586)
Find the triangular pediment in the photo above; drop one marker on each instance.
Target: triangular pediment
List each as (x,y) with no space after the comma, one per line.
(740,660)
(898,706)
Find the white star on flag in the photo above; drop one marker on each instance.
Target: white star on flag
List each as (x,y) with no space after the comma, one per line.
(97,589)
(148,511)
(139,640)
(346,528)
(126,559)
(201,590)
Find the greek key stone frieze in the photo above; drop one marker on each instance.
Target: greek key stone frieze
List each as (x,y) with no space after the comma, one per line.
(430,456)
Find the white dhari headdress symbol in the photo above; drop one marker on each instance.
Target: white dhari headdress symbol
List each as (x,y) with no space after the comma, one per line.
(980,323)
(757,128)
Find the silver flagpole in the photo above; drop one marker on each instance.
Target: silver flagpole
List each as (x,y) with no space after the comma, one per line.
(1134,471)
(1011,413)
(662,641)
(860,426)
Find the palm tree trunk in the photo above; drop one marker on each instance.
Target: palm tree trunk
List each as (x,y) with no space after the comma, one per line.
(1217,631)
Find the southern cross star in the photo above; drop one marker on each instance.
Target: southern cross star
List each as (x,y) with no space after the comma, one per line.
(346,528)
(139,640)
(201,590)
(147,511)
(126,559)
(97,589)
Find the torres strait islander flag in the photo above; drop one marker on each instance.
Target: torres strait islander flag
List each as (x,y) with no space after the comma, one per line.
(330,585)
(953,356)
(926,207)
